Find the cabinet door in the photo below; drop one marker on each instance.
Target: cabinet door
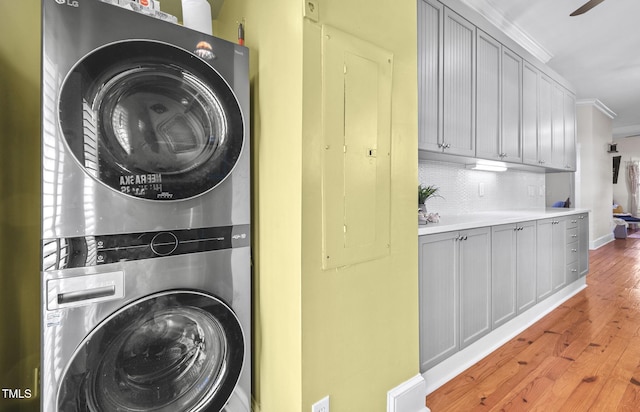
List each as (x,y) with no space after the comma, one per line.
(545,85)
(570,131)
(503,273)
(544,252)
(430,75)
(488,97)
(583,244)
(526,266)
(511,141)
(529,114)
(439,298)
(559,248)
(557,131)
(459,84)
(475,285)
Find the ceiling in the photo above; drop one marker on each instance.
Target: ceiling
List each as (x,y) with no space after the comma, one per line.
(597,52)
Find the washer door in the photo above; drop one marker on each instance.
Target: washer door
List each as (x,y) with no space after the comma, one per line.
(151,120)
(173,351)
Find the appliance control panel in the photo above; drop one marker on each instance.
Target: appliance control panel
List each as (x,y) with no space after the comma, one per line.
(96,250)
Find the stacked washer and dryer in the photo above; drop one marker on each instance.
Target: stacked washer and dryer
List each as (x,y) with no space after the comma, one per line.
(146,260)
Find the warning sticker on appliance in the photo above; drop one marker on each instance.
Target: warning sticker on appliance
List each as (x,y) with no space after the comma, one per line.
(143,185)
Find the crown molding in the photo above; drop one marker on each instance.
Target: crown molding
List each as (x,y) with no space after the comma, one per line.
(517,34)
(598,105)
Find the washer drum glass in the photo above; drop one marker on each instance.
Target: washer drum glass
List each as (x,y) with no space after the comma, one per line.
(173,351)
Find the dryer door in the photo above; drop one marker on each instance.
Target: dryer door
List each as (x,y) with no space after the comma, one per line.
(172,351)
(151,120)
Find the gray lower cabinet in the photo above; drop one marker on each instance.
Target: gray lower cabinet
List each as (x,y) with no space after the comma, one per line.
(551,247)
(475,284)
(573,250)
(454,292)
(583,244)
(503,273)
(526,266)
(513,270)
(439,296)
(473,281)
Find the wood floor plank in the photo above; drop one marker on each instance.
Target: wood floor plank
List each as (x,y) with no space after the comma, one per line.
(583,356)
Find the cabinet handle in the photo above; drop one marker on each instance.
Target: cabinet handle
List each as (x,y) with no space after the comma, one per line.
(574,236)
(574,221)
(581,217)
(574,270)
(574,250)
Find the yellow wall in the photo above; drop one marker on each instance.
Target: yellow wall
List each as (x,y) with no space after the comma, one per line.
(274,35)
(19,199)
(360,322)
(350,333)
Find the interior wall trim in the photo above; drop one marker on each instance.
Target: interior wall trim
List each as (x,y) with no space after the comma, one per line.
(515,32)
(409,396)
(598,105)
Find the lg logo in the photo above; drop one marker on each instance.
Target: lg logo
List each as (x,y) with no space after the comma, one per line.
(72,3)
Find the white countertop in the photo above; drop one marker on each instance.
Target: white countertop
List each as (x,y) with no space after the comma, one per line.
(449,223)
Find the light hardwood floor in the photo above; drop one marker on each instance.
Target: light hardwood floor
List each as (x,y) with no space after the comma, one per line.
(583,356)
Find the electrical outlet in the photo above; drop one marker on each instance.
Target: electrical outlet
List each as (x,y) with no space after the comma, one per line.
(321,406)
(481,189)
(311,10)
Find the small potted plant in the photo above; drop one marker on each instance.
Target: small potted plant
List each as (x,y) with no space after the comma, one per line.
(425,193)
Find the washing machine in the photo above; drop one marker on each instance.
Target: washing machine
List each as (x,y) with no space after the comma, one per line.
(146,258)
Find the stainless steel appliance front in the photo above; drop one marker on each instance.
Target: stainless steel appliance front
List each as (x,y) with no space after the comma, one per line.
(146,280)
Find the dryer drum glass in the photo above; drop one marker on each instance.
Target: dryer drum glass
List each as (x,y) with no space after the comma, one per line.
(160,120)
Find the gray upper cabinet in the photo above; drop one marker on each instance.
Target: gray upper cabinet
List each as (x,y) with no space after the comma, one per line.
(430,81)
(545,120)
(511,105)
(569,131)
(530,78)
(498,101)
(488,97)
(478,98)
(459,85)
(557,129)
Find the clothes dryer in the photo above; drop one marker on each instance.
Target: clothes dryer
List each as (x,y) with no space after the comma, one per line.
(146,254)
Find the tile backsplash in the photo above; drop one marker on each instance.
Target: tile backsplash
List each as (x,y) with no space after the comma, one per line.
(468,191)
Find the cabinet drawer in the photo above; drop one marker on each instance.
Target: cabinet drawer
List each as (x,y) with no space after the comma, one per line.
(572,272)
(572,253)
(572,234)
(572,222)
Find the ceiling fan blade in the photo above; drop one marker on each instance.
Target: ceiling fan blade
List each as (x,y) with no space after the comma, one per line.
(586,7)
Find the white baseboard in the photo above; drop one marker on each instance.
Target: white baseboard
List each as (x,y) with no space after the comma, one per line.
(601,241)
(409,396)
(459,362)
